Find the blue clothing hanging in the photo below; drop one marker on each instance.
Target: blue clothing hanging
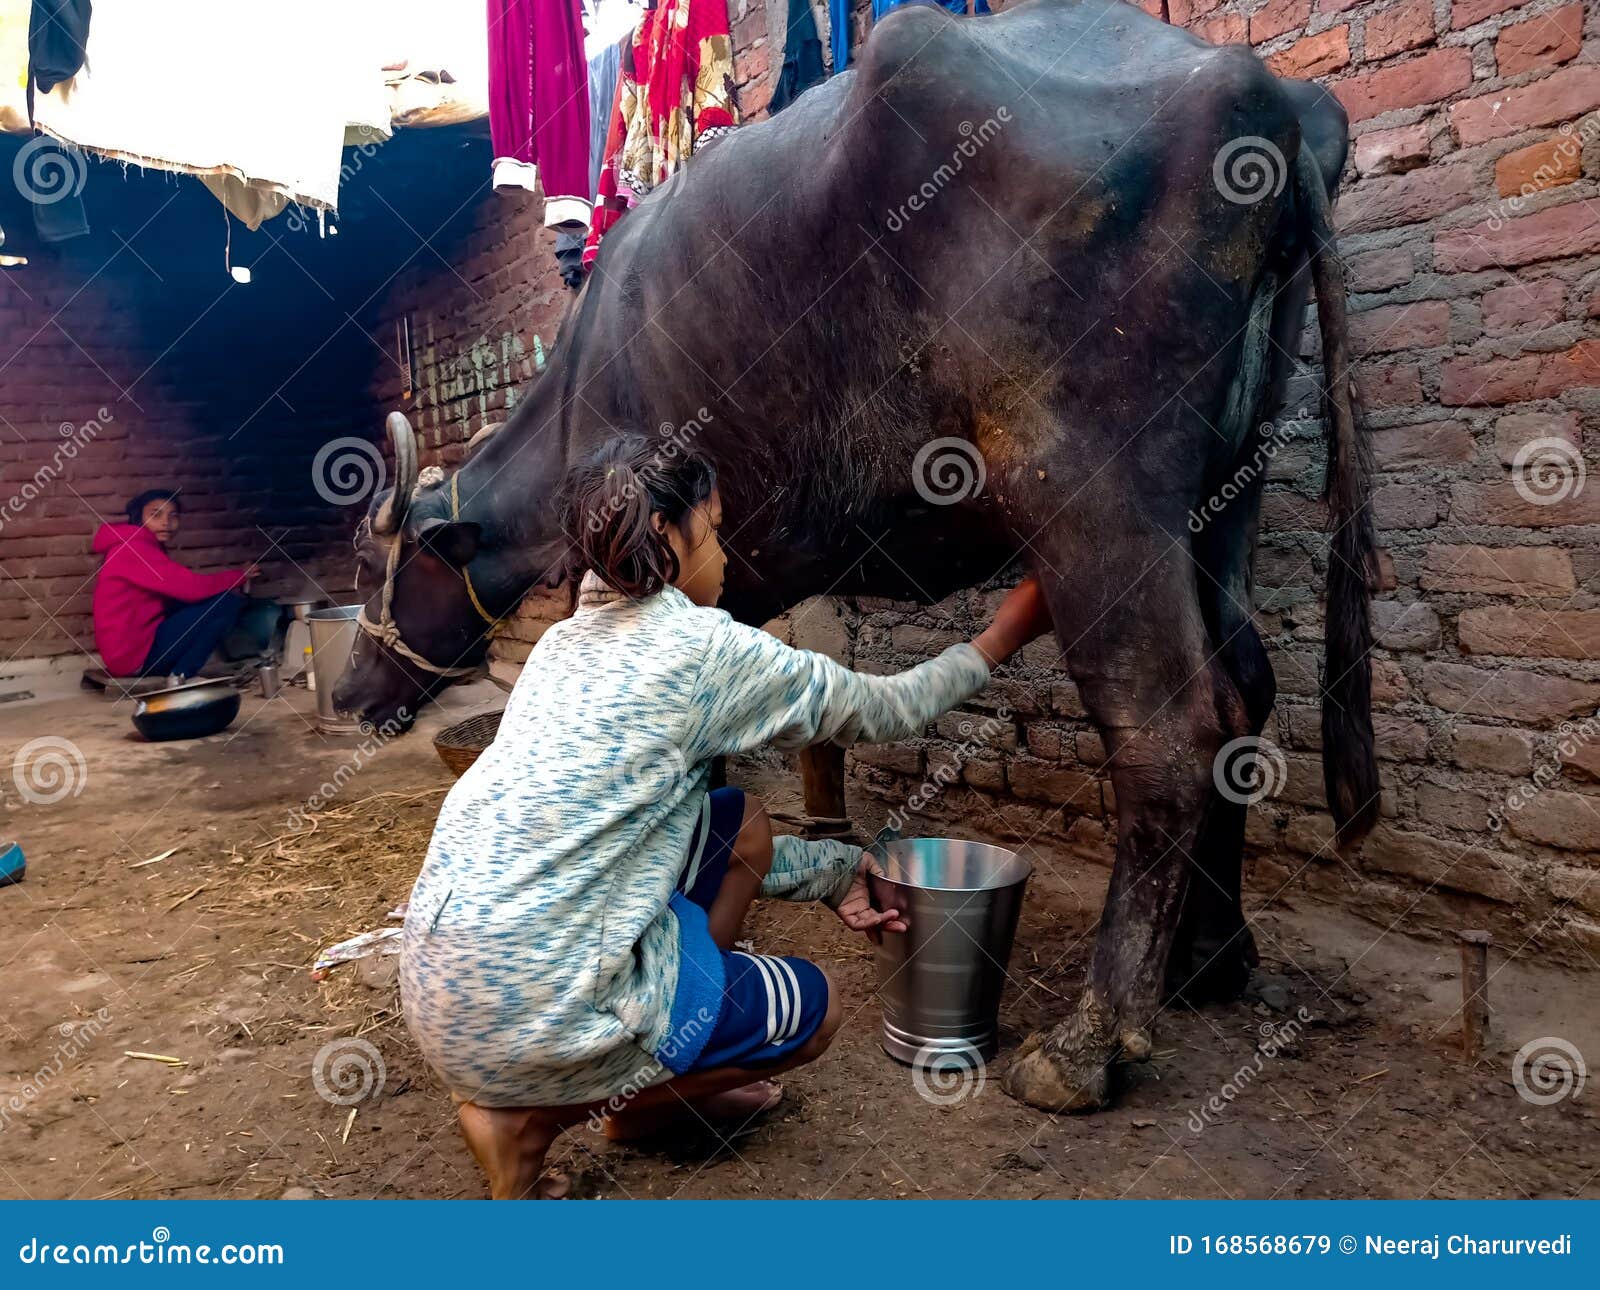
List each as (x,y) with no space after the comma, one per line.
(839,22)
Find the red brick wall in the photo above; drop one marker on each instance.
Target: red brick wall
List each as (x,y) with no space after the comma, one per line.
(131,361)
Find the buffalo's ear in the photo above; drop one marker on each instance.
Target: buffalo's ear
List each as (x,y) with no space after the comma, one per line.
(453,541)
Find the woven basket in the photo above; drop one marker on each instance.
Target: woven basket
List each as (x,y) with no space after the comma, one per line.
(458,746)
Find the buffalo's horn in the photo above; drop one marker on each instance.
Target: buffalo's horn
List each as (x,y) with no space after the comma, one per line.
(393,511)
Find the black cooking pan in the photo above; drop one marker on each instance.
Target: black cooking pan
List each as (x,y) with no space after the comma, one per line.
(188,711)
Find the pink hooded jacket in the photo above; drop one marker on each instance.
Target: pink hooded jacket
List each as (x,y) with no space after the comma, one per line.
(139,585)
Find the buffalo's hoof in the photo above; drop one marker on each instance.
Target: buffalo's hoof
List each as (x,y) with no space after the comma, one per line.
(1068,1069)
(1136,1044)
(1053,1083)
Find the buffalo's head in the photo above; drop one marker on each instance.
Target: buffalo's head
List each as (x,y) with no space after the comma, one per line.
(410,550)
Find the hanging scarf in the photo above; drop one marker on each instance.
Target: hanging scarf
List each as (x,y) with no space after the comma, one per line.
(674,94)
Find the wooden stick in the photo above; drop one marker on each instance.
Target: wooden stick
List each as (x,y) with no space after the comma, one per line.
(1474,991)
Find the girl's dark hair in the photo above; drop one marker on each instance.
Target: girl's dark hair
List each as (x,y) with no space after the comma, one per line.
(137,505)
(607,503)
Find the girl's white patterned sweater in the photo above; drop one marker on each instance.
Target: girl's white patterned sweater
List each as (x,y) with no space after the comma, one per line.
(547,959)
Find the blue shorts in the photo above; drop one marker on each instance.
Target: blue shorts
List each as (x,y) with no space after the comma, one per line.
(770,1005)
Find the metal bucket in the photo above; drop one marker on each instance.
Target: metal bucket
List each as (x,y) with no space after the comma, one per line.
(333,636)
(939,982)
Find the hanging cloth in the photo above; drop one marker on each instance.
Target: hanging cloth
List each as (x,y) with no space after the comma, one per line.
(674,95)
(539,104)
(802,57)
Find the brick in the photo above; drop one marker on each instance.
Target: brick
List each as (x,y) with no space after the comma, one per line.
(1528,697)
(1523,306)
(1464,13)
(1476,381)
(1517,429)
(1539,167)
(1076,790)
(1451,805)
(1570,821)
(1432,443)
(1572,229)
(1525,570)
(1393,31)
(1580,887)
(1397,386)
(1277,18)
(1311,834)
(1519,632)
(1410,198)
(1046,740)
(1563,95)
(1392,152)
(1419,325)
(1318,55)
(1389,684)
(903,759)
(1378,270)
(1551,38)
(1438,862)
(1570,369)
(1406,506)
(1428,78)
(1509,752)
(1580,757)
(1501,504)
(1183,12)
(1405,627)
(922,641)
(1223,29)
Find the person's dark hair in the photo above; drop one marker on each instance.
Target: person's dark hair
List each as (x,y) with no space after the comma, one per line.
(137,505)
(607,503)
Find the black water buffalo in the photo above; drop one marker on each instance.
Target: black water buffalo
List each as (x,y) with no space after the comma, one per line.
(1069,248)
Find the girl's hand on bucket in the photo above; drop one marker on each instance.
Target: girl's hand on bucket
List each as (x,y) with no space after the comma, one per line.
(856,912)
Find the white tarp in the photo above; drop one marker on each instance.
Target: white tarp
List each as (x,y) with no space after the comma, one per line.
(256,96)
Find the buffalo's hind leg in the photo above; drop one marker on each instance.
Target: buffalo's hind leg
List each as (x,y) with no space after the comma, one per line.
(1215,952)
(1137,644)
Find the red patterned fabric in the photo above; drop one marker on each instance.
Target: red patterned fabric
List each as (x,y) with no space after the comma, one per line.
(674,94)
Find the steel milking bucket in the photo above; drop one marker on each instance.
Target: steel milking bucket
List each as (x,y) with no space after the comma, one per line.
(939,982)
(333,636)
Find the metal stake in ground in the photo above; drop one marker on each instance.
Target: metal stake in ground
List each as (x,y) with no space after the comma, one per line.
(1474,991)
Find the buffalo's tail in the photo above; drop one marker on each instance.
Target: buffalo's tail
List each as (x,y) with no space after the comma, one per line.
(1349,768)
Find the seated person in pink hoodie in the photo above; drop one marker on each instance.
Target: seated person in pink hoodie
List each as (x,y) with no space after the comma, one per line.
(152,616)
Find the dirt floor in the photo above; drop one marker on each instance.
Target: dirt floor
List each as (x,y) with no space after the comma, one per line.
(203,956)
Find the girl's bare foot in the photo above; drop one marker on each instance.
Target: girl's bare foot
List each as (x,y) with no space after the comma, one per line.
(511,1144)
(735,1104)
